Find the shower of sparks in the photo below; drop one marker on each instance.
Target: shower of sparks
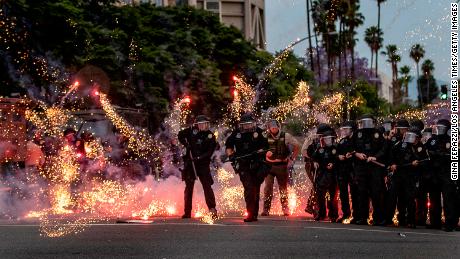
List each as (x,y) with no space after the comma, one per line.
(300,100)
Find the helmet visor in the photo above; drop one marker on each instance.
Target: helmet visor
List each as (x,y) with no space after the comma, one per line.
(387,127)
(410,137)
(366,123)
(249,126)
(440,129)
(202,125)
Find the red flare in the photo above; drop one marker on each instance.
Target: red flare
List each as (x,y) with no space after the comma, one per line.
(235,93)
(187,100)
(235,78)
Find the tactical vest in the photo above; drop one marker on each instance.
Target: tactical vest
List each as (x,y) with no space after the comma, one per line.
(278,146)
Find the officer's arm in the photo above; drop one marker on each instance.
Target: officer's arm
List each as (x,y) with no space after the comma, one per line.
(211,148)
(382,150)
(182,137)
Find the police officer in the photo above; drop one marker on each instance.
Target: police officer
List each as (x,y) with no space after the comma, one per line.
(309,146)
(438,147)
(325,158)
(395,137)
(369,146)
(279,156)
(345,171)
(404,162)
(246,148)
(200,144)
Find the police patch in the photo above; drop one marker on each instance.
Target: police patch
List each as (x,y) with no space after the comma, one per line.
(334,151)
(321,150)
(209,135)
(419,149)
(393,139)
(433,142)
(195,131)
(447,145)
(360,134)
(264,134)
(238,135)
(376,135)
(404,145)
(255,134)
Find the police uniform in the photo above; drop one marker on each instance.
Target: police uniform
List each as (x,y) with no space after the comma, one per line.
(438,147)
(369,176)
(404,181)
(346,177)
(250,167)
(201,144)
(326,181)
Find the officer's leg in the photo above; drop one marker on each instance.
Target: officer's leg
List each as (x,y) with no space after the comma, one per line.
(256,188)
(391,197)
(188,194)
(354,198)
(321,189)
(206,182)
(401,193)
(363,195)
(377,196)
(268,193)
(282,179)
(435,206)
(449,195)
(343,181)
(332,203)
(249,193)
(421,198)
(411,194)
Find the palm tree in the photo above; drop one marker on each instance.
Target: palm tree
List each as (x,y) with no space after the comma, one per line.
(405,79)
(353,20)
(427,68)
(379,2)
(373,38)
(310,49)
(416,53)
(393,58)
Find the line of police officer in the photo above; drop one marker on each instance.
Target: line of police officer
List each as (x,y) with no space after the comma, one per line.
(392,166)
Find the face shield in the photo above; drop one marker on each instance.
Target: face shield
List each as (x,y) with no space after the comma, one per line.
(249,126)
(439,129)
(345,132)
(410,137)
(366,123)
(387,126)
(202,125)
(327,141)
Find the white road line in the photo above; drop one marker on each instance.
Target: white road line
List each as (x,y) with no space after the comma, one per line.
(250,225)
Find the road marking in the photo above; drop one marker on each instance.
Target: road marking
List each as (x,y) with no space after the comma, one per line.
(255,224)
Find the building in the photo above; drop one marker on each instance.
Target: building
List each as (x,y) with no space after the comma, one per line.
(246,15)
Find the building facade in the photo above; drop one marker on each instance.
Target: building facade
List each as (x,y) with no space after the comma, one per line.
(246,15)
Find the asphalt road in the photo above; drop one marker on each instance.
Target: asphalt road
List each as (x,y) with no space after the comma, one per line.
(270,237)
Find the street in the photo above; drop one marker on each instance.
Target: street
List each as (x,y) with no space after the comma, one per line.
(270,237)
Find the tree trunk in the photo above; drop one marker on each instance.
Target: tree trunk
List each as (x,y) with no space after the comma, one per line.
(340,50)
(317,55)
(353,76)
(372,61)
(310,49)
(377,52)
(418,87)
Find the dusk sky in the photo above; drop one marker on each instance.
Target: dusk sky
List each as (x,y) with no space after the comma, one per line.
(404,23)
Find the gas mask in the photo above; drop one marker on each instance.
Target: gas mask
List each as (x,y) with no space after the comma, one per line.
(426,136)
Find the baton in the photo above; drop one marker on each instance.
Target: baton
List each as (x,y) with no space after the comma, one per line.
(191,158)
(377,163)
